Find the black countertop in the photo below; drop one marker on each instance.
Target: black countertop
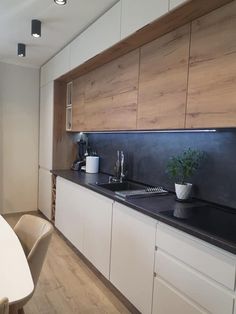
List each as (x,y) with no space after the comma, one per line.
(209,222)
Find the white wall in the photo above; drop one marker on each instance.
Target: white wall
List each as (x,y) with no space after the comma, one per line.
(19,123)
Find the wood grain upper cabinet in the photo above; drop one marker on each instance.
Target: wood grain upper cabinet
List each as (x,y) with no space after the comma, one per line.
(78,114)
(138,13)
(101,35)
(132,255)
(106,98)
(212,74)
(163,81)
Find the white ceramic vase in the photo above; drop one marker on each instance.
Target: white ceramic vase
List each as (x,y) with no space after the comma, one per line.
(183,191)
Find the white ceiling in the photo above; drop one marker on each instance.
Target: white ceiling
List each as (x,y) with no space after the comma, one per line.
(60,24)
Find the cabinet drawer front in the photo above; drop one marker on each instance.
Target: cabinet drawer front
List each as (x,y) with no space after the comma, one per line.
(167,300)
(205,292)
(210,261)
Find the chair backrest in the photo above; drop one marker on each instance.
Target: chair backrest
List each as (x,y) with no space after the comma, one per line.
(4,306)
(34,234)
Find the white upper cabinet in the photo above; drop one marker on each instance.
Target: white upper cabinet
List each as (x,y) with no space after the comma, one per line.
(55,67)
(46,126)
(175,3)
(61,63)
(137,13)
(102,34)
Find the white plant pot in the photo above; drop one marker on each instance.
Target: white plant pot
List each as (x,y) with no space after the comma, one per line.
(183,191)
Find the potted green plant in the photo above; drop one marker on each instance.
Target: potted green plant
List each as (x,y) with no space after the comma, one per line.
(181,168)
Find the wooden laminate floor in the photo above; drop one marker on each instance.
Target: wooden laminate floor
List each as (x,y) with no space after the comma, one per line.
(66,284)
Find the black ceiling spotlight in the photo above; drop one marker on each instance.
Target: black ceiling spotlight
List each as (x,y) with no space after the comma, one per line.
(60,2)
(21,50)
(36,28)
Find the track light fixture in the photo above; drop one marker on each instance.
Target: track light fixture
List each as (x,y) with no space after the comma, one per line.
(21,50)
(36,28)
(60,2)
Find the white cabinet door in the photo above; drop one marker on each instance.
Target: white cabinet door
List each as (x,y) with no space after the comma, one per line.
(45,193)
(137,13)
(69,215)
(46,126)
(175,3)
(102,34)
(84,217)
(202,290)
(167,300)
(97,230)
(132,255)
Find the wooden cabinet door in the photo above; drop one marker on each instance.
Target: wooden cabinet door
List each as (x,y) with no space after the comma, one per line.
(167,300)
(212,73)
(132,255)
(45,193)
(69,217)
(163,81)
(97,212)
(106,98)
(78,113)
(46,126)
(136,14)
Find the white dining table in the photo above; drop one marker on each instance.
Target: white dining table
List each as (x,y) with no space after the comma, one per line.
(16,282)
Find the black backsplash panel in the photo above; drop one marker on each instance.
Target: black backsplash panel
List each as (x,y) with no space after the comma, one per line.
(147,155)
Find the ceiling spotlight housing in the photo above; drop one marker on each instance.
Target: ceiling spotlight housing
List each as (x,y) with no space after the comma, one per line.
(60,2)
(21,50)
(36,28)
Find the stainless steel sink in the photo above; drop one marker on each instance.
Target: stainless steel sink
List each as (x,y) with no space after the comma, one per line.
(124,186)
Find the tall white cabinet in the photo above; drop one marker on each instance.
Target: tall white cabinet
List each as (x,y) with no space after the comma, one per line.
(45,149)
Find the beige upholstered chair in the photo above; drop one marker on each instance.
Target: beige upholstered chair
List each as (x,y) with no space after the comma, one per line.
(4,307)
(34,234)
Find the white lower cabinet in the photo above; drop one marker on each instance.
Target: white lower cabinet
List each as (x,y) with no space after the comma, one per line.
(84,218)
(97,211)
(202,273)
(69,216)
(167,300)
(132,255)
(45,193)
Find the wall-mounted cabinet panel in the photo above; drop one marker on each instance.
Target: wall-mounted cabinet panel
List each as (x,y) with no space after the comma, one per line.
(175,3)
(138,13)
(212,74)
(61,63)
(163,81)
(106,98)
(55,67)
(117,112)
(46,126)
(102,34)
(78,114)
